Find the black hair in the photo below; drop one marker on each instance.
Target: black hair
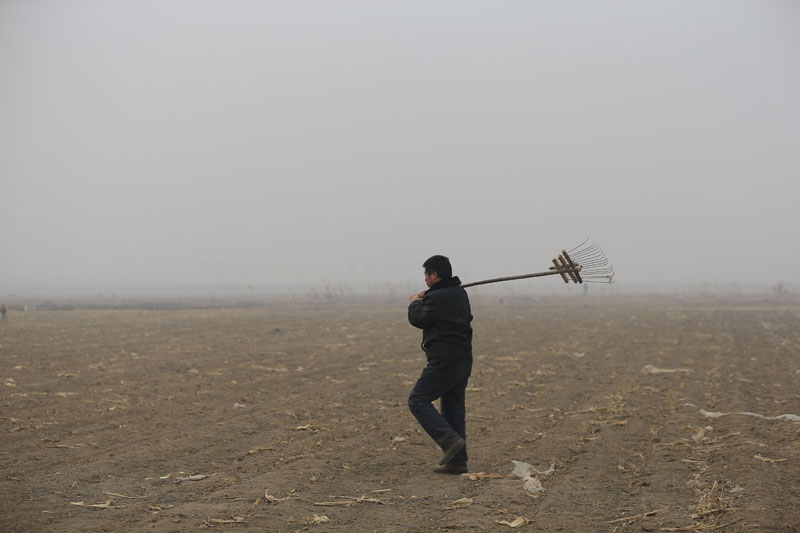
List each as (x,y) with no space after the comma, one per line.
(439,264)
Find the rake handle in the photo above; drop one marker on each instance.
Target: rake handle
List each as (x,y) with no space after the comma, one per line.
(551,272)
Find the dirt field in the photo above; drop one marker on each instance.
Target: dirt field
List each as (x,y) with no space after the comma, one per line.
(293,416)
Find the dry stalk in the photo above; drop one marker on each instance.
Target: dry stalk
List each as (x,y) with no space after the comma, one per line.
(698,527)
(642,515)
(108,504)
(483,475)
(233,520)
(124,496)
(673,443)
(350,501)
(768,460)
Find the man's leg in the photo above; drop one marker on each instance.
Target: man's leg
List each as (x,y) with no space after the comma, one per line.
(454,411)
(437,379)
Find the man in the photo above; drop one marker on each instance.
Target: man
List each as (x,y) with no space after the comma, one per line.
(444,315)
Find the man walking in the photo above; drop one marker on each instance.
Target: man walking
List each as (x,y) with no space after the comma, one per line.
(444,315)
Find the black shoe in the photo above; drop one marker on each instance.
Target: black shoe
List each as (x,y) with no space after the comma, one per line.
(451,468)
(452,449)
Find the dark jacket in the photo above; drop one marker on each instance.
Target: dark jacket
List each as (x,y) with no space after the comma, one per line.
(444,316)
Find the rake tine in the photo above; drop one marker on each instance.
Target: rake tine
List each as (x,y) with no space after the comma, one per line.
(599,272)
(594,266)
(581,244)
(586,253)
(588,257)
(599,268)
(596,275)
(589,252)
(580,249)
(595,256)
(586,264)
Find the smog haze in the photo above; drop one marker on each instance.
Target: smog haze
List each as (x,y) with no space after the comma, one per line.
(287,144)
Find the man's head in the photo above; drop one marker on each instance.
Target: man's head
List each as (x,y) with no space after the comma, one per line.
(437,268)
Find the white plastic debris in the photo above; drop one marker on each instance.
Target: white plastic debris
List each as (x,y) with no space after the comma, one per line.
(524,470)
(530,476)
(533,485)
(787,417)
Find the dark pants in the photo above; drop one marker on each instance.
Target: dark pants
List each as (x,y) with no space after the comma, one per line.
(445,378)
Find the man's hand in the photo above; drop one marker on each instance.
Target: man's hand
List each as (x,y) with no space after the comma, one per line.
(416,296)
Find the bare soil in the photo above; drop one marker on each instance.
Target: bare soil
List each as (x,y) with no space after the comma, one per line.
(290,415)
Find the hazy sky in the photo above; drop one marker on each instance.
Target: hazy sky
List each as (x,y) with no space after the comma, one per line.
(275,143)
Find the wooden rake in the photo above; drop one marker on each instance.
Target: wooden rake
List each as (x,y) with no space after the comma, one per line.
(586,263)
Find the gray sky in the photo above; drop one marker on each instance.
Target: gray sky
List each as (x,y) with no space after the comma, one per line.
(275,143)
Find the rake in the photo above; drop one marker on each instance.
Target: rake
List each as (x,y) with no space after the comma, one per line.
(586,263)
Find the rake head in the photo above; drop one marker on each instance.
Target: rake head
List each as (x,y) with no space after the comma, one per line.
(586,263)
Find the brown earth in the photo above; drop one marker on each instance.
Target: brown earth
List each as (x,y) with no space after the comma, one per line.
(306,402)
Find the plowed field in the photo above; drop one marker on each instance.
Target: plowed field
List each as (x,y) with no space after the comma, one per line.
(656,414)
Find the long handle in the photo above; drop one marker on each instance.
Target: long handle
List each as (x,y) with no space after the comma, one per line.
(523,276)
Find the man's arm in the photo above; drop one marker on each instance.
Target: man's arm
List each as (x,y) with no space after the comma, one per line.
(416,296)
(421,311)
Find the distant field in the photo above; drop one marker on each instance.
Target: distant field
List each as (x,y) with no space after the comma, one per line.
(288,415)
